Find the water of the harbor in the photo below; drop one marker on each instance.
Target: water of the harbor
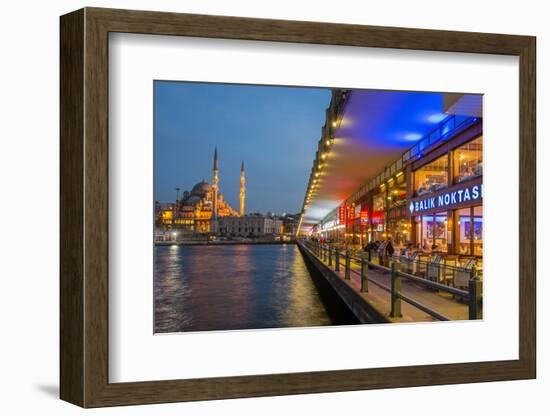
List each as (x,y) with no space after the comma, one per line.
(202,288)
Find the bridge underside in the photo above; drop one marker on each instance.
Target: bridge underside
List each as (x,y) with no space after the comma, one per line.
(374,129)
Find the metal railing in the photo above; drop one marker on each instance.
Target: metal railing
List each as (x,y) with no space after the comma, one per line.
(432,266)
(399,271)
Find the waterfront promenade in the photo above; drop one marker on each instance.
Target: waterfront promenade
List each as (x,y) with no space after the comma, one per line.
(421,297)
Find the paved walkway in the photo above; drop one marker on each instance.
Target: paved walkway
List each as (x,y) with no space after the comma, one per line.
(443,303)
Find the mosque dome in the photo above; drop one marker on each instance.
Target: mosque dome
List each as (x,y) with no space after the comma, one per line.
(201,189)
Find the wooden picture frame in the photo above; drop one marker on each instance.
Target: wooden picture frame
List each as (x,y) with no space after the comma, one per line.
(84,207)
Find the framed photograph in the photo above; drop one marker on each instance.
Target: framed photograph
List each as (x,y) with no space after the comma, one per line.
(255,207)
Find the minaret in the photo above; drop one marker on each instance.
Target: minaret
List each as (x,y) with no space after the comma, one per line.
(241,194)
(215,180)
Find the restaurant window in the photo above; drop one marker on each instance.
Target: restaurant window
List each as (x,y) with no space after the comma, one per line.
(432,230)
(379,216)
(378,203)
(419,231)
(440,237)
(399,231)
(397,194)
(470,223)
(468,160)
(432,177)
(478,231)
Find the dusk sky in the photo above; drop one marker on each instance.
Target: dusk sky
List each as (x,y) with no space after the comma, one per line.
(275,130)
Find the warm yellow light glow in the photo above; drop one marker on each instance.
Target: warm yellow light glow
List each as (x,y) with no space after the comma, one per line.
(327,142)
(399,174)
(334,123)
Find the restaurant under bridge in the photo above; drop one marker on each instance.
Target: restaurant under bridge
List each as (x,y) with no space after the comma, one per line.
(393,211)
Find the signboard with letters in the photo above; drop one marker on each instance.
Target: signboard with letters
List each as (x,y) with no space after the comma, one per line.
(446,199)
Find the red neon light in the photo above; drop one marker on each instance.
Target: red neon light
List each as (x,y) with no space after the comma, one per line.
(342,214)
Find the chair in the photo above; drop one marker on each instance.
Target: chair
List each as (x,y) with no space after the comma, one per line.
(433,271)
(464,274)
(419,268)
(448,270)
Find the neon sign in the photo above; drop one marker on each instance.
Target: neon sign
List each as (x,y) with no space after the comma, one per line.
(447,199)
(342,214)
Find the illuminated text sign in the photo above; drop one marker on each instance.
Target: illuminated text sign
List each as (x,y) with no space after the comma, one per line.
(447,199)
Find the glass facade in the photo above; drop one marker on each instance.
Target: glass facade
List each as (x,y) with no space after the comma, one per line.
(431,231)
(399,230)
(397,224)
(432,177)
(468,161)
(450,218)
(470,231)
(454,231)
(378,218)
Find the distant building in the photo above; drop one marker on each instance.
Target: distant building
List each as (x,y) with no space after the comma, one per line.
(290,224)
(249,226)
(198,210)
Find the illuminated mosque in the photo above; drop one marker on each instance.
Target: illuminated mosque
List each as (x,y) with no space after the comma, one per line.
(197,210)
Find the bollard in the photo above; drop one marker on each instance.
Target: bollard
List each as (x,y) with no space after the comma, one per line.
(325,253)
(395,290)
(348,266)
(475,290)
(364,276)
(330,257)
(337,260)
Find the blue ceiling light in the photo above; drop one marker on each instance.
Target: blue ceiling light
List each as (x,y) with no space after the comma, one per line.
(437,117)
(413,137)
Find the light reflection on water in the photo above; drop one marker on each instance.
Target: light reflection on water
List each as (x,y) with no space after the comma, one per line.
(199,288)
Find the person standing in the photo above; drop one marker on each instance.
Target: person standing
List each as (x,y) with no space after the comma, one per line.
(389,248)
